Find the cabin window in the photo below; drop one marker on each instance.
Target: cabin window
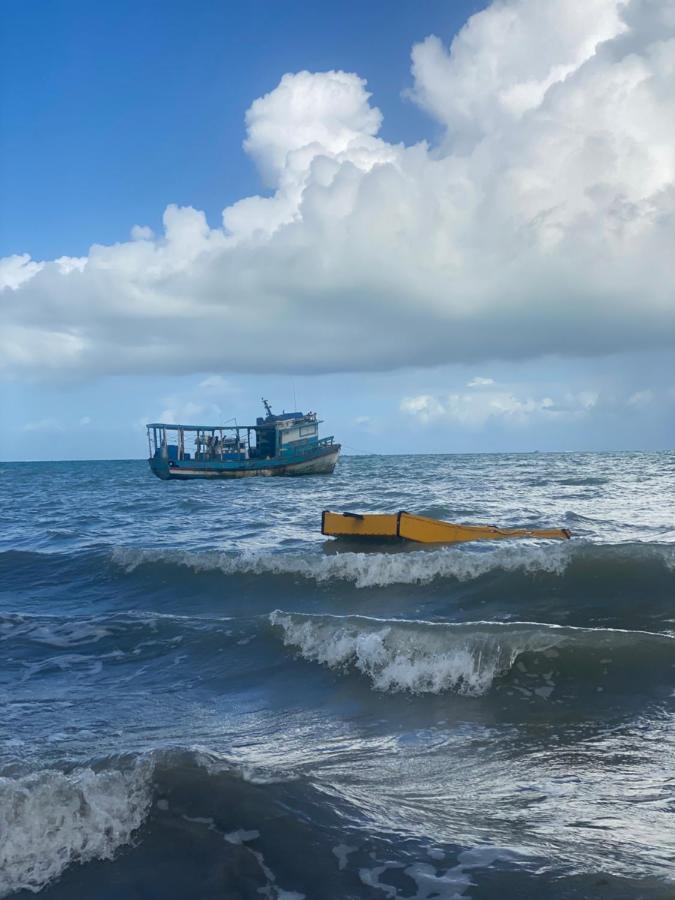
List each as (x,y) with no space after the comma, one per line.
(308,430)
(287,437)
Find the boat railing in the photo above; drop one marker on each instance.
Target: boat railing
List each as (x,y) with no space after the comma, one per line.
(198,442)
(312,445)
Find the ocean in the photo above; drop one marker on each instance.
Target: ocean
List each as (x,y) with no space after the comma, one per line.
(202,697)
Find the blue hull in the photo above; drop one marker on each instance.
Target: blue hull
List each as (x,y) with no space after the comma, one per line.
(316,461)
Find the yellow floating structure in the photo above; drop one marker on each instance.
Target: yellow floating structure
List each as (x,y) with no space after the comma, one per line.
(424,530)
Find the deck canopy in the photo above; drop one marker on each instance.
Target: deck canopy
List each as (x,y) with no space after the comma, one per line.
(174,426)
(268,422)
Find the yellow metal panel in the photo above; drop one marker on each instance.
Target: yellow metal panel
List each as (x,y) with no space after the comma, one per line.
(339,524)
(432,531)
(424,530)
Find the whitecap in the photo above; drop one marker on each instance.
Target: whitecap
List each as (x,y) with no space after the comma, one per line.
(419,657)
(365,569)
(50,820)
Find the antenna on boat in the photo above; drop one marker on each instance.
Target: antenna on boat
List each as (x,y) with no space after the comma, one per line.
(268,408)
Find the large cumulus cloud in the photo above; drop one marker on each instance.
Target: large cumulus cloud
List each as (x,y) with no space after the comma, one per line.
(542,222)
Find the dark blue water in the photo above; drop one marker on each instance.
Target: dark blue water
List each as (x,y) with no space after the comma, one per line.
(202,697)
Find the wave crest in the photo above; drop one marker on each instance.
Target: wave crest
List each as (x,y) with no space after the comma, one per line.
(378,569)
(50,819)
(362,569)
(420,657)
(467,658)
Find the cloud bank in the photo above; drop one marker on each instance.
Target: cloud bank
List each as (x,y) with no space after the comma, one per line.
(472,410)
(543,221)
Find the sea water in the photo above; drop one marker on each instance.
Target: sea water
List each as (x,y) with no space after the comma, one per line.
(202,697)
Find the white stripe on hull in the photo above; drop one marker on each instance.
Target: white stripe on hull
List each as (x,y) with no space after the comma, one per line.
(323,465)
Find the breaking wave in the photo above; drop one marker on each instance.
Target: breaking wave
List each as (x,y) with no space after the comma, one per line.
(426,657)
(196,823)
(362,569)
(49,820)
(378,569)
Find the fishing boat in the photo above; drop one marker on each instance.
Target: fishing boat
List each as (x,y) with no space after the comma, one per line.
(285,444)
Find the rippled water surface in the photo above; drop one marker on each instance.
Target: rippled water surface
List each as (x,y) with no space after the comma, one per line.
(200,696)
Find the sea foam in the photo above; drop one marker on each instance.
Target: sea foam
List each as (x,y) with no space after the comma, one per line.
(51,631)
(420,657)
(363,569)
(49,820)
(465,657)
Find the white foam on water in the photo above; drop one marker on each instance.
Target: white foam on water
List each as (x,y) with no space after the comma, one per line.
(241,836)
(342,851)
(431,883)
(484,857)
(371,878)
(366,569)
(69,634)
(464,562)
(419,657)
(50,820)
(78,664)
(271,889)
(53,633)
(667,553)
(437,883)
(258,775)
(253,774)
(202,820)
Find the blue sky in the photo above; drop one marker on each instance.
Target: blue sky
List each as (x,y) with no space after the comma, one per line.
(112,110)
(472,258)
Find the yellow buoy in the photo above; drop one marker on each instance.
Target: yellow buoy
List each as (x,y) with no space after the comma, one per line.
(424,530)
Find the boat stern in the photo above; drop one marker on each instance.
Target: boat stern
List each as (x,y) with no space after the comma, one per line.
(160,467)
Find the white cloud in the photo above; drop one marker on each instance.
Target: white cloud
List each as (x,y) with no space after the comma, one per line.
(68,264)
(501,64)
(641,399)
(307,116)
(424,407)
(474,410)
(216,384)
(85,420)
(16,269)
(48,424)
(543,222)
(179,410)
(142,233)
(479,382)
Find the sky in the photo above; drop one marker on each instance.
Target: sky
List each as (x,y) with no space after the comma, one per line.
(446,226)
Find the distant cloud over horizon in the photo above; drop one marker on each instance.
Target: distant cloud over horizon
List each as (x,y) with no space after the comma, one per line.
(543,222)
(497,404)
